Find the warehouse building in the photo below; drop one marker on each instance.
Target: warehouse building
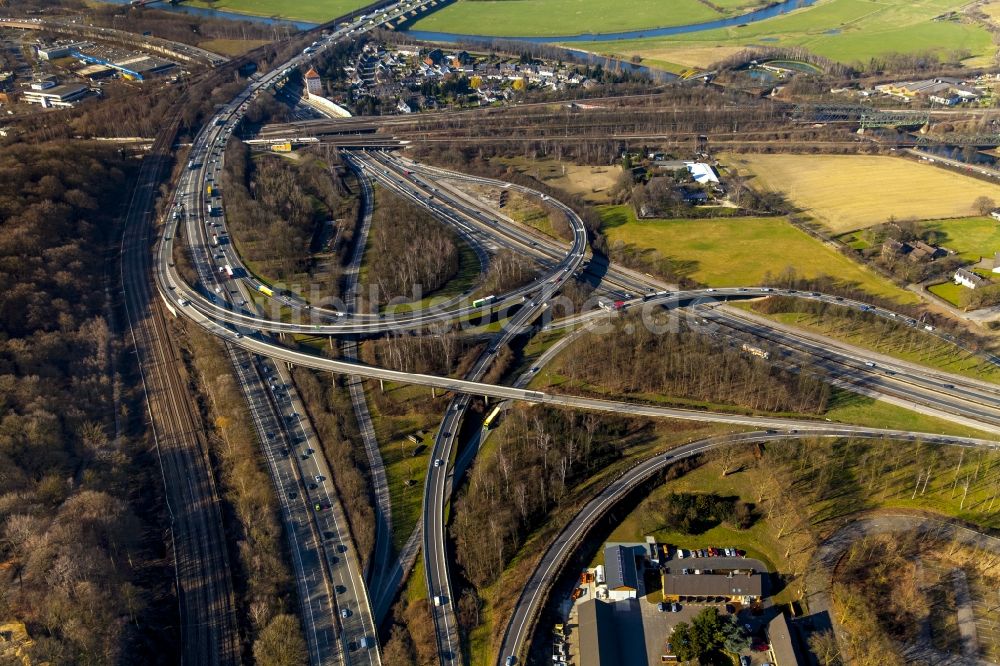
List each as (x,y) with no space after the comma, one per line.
(611,634)
(60,97)
(63,50)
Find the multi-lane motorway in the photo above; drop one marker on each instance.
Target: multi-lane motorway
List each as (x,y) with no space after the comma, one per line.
(221,303)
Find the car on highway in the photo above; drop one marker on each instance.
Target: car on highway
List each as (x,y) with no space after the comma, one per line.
(511,660)
(438,462)
(318,478)
(344,613)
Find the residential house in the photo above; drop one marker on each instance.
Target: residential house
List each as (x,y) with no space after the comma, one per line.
(922,252)
(968,279)
(313,83)
(434,57)
(893,248)
(784,649)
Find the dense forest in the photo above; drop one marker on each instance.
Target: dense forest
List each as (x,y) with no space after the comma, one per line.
(410,253)
(632,358)
(82,557)
(439,354)
(277,210)
(508,270)
(541,453)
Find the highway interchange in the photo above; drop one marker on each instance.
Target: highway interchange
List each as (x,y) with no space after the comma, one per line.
(327,569)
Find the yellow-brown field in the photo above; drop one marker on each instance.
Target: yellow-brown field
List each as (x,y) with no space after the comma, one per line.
(847,192)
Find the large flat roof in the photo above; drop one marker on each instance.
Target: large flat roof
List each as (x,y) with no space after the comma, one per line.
(65,91)
(712,585)
(611,634)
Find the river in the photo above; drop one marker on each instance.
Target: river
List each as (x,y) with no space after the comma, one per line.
(771,11)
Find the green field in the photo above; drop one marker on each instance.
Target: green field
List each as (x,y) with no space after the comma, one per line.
(546,18)
(727,252)
(312,11)
(843,30)
(953,293)
(847,407)
(972,237)
(405,472)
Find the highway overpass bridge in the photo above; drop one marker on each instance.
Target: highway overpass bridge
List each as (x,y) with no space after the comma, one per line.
(359,141)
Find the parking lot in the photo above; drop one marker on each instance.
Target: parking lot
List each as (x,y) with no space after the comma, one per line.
(640,619)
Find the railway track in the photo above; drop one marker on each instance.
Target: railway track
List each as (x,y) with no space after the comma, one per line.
(206,601)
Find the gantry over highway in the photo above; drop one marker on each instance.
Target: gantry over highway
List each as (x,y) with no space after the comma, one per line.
(221,304)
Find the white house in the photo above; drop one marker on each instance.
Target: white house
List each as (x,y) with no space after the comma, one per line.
(967,278)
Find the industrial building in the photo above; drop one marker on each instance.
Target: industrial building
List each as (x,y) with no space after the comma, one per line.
(611,634)
(63,96)
(60,50)
(129,64)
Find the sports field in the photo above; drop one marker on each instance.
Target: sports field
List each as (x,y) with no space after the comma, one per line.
(545,18)
(730,252)
(847,192)
(848,31)
(311,11)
